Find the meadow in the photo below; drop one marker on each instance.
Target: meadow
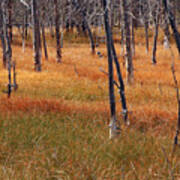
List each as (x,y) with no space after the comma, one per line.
(55,126)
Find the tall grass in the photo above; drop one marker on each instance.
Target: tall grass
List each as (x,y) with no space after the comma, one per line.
(56,125)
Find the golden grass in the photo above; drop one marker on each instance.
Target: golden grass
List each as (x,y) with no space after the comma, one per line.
(57,121)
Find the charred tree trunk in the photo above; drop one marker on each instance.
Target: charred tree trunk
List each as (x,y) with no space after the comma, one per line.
(44,42)
(156,31)
(127,34)
(173,24)
(58,44)
(36,36)
(90,36)
(10,20)
(43,33)
(113,121)
(2,37)
(26,25)
(121,86)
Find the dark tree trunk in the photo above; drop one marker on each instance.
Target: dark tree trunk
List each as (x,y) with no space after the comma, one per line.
(173,24)
(91,38)
(156,32)
(146,29)
(26,24)
(121,87)
(44,42)
(113,121)
(133,38)
(127,34)
(58,45)
(2,37)
(10,20)
(36,36)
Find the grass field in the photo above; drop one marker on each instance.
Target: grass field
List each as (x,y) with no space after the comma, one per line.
(55,126)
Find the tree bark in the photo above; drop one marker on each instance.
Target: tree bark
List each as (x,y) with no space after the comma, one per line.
(146,29)
(173,24)
(10,20)
(2,37)
(113,121)
(58,44)
(44,42)
(156,32)
(127,34)
(36,36)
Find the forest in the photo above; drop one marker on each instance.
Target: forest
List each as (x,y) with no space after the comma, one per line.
(89,89)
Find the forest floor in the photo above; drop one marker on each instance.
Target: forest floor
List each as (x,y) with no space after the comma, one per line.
(55,126)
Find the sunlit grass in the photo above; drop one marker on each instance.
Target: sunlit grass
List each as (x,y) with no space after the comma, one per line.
(55,126)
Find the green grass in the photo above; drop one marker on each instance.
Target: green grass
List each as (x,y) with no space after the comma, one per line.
(52,146)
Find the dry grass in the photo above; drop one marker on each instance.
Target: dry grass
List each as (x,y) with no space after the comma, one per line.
(55,125)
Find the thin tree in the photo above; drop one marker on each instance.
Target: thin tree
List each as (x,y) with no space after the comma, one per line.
(2,36)
(113,122)
(156,16)
(10,20)
(127,34)
(58,44)
(173,24)
(36,36)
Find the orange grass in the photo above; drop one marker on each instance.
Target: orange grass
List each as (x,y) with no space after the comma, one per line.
(77,89)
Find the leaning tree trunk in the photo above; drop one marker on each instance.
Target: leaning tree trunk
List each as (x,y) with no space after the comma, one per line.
(121,86)
(44,34)
(127,34)
(113,121)
(2,37)
(173,24)
(58,44)
(36,36)
(90,36)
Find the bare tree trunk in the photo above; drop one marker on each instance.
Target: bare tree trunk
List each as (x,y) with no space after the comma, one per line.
(133,37)
(127,34)
(173,24)
(2,37)
(146,27)
(58,45)
(44,42)
(156,31)
(90,37)
(113,122)
(36,36)
(10,20)
(26,25)
(121,86)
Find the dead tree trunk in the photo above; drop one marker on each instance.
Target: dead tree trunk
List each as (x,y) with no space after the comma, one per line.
(2,37)
(90,36)
(127,34)
(146,27)
(43,33)
(26,25)
(156,31)
(36,36)
(10,20)
(58,44)
(44,42)
(121,84)
(173,24)
(113,121)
